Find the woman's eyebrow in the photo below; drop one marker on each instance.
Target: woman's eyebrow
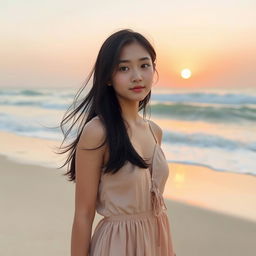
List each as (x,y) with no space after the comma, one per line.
(124,61)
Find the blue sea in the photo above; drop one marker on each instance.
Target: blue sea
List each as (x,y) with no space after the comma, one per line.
(210,127)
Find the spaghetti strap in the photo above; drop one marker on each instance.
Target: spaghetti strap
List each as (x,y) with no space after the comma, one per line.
(152,132)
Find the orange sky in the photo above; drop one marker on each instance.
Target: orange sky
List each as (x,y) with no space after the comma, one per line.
(54,44)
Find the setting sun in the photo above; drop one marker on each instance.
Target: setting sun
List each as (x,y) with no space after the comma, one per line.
(186,73)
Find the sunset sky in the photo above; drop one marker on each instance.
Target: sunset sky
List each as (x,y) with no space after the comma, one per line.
(55,43)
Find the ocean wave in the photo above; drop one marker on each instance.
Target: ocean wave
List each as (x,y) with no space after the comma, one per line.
(212,107)
(31,92)
(178,111)
(199,97)
(22,92)
(185,97)
(209,113)
(37,92)
(204,140)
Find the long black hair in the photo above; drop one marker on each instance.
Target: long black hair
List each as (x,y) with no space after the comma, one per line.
(101,101)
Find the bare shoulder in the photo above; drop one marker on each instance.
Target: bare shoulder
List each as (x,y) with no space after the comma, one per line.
(157,131)
(93,134)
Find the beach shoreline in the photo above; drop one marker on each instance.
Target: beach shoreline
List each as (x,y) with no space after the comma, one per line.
(225,192)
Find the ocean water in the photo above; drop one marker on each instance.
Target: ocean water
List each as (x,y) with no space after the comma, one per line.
(210,127)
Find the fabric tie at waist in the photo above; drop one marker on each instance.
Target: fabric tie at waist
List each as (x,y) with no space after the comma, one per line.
(158,205)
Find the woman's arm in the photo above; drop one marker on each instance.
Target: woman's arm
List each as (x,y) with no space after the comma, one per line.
(88,171)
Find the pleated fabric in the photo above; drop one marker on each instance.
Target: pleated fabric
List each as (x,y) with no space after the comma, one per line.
(135,220)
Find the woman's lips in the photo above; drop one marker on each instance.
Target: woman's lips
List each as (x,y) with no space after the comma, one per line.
(137,89)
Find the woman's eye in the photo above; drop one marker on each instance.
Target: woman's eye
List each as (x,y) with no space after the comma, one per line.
(146,64)
(122,68)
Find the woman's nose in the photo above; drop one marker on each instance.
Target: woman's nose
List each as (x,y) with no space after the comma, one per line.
(136,76)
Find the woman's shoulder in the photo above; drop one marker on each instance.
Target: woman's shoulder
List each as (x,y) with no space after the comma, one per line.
(157,130)
(93,133)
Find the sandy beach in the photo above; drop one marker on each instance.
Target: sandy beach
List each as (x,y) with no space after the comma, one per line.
(37,205)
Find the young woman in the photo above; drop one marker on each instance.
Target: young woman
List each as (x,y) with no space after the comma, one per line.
(116,159)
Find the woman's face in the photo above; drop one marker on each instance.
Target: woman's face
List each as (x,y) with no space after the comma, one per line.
(135,68)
